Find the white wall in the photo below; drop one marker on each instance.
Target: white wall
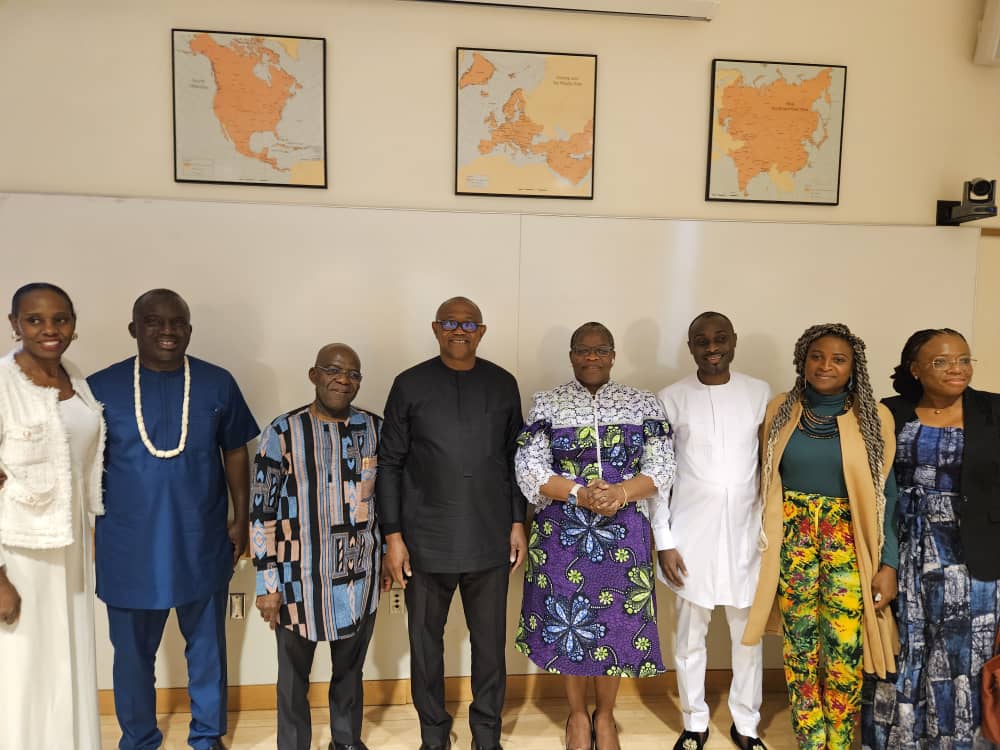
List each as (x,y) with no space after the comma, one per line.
(87,102)
(85,107)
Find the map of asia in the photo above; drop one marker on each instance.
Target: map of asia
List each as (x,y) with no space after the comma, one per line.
(776,132)
(249,109)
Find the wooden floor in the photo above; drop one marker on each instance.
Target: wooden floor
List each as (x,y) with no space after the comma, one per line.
(646,724)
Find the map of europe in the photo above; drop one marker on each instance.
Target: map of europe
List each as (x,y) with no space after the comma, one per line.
(525,123)
(776,132)
(249,109)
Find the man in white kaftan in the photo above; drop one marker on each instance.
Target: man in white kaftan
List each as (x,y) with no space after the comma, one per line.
(707,536)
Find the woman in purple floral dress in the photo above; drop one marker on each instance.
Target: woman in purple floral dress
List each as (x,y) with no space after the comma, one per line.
(592,455)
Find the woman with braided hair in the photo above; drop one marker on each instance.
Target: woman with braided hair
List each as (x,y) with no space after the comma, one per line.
(828,536)
(947,465)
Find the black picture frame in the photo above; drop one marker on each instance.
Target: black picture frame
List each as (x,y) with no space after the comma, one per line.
(763,157)
(537,191)
(184,173)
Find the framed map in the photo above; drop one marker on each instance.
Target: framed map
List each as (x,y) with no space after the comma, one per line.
(525,124)
(249,108)
(776,132)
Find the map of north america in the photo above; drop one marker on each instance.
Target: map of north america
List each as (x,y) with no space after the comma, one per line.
(263,96)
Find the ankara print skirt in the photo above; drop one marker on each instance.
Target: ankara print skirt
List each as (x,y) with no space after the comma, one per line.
(589,605)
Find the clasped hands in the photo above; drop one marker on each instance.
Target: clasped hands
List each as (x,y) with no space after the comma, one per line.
(602,497)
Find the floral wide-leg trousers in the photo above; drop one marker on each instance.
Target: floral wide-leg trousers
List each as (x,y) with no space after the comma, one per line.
(819,593)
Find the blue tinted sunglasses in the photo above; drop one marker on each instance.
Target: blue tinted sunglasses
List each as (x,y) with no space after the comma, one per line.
(469,326)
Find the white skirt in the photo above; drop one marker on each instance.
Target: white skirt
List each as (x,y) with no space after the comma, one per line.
(48,666)
(48,662)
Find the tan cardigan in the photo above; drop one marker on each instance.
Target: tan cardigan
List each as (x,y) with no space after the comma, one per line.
(880,639)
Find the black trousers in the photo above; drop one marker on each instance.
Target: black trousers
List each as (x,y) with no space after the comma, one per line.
(346,697)
(484,598)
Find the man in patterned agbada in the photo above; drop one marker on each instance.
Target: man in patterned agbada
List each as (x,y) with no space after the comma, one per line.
(317,548)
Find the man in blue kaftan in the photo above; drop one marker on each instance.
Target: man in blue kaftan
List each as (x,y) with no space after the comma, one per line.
(177,433)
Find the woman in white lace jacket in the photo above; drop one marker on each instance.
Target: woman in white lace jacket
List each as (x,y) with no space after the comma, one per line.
(51,450)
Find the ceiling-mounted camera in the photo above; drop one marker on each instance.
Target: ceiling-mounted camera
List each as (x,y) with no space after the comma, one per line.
(978,202)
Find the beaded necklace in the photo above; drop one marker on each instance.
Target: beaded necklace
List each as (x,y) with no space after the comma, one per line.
(137,396)
(819,426)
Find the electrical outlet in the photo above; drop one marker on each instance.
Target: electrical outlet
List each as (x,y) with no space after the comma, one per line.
(237,606)
(395,600)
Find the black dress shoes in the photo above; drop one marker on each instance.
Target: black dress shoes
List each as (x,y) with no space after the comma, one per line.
(477,746)
(445,746)
(359,745)
(745,743)
(691,740)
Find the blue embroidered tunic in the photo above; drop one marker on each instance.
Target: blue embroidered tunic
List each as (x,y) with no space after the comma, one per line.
(163,539)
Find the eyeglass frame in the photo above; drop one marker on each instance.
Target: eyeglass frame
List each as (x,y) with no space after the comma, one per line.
(602,352)
(467,326)
(333,372)
(942,363)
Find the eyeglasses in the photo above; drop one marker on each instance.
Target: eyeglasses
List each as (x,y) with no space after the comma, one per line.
(586,351)
(941,363)
(469,326)
(335,372)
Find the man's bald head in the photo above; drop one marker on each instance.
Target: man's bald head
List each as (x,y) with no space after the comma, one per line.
(329,352)
(156,295)
(449,304)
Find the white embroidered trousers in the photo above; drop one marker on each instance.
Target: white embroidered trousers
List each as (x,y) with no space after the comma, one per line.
(691,658)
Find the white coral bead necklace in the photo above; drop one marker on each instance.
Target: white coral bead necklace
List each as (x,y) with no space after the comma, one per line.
(137,393)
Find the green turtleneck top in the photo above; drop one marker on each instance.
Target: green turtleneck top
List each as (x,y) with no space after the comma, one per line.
(815,465)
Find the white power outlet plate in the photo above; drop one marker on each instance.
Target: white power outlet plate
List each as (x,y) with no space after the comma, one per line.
(237,606)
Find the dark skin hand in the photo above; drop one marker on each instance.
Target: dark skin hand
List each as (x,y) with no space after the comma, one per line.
(518,545)
(268,605)
(672,565)
(10,600)
(237,464)
(396,564)
(884,583)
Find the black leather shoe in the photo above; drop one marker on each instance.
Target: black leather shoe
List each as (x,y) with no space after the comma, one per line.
(477,746)
(217,746)
(691,740)
(745,743)
(445,746)
(359,745)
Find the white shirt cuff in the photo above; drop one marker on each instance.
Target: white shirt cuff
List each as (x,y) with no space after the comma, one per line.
(663,538)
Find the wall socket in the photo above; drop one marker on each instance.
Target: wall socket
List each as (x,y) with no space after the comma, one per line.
(237,606)
(395,600)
